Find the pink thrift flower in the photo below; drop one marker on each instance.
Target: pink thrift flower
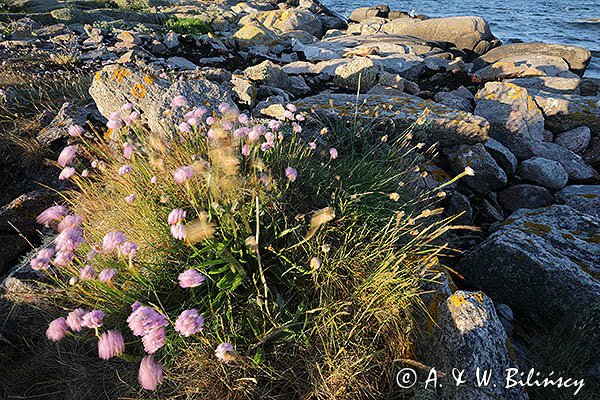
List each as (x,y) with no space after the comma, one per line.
(291,173)
(243,119)
(111,344)
(245,150)
(296,127)
(114,124)
(182,174)
(288,115)
(225,352)
(39,263)
(210,121)
(176,216)
(224,107)
(112,240)
(75,319)
(75,130)
(333,153)
(92,253)
(106,275)
(70,221)
(127,107)
(130,199)
(274,124)
(136,304)
(154,179)
(69,240)
(189,323)
(240,132)
(193,121)
(150,374)
(63,258)
(154,340)
(200,112)
(93,319)
(228,125)
(178,101)
(128,249)
(66,173)
(291,108)
(312,145)
(57,329)
(124,169)
(300,118)
(144,319)
(127,150)
(85,173)
(185,127)
(178,231)
(253,134)
(87,273)
(190,278)
(67,155)
(45,253)
(51,215)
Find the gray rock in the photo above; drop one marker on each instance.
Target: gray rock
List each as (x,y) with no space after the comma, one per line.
(360,74)
(576,140)
(69,114)
(576,57)
(181,63)
(575,166)
(489,177)
(171,40)
(583,198)
(443,125)
(547,173)
(502,155)
(466,33)
(544,263)
(524,66)
(514,119)
(550,84)
(454,100)
(244,89)
(255,34)
(268,73)
(363,13)
(504,311)
(564,112)
(524,196)
(282,21)
(459,204)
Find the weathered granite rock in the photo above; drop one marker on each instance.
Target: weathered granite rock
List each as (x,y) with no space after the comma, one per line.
(360,74)
(459,204)
(524,196)
(524,66)
(568,111)
(575,166)
(444,125)
(550,84)
(255,34)
(515,120)
(268,73)
(287,20)
(454,100)
(489,177)
(363,13)
(545,263)
(466,33)
(583,198)
(576,140)
(150,95)
(502,155)
(69,114)
(576,57)
(547,173)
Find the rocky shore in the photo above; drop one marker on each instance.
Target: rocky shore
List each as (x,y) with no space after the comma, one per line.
(522,116)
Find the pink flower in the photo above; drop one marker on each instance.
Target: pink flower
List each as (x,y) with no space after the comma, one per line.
(228,125)
(127,107)
(132,118)
(154,179)
(291,173)
(128,249)
(106,275)
(296,127)
(93,319)
(245,150)
(312,145)
(178,101)
(112,240)
(75,130)
(333,153)
(150,374)
(57,329)
(225,352)
(66,173)
(39,263)
(288,115)
(127,150)
(192,122)
(51,215)
(176,216)
(182,174)
(154,340)
(95,163)
(291,108)
(200,112)
(224,107)
(185,127)
(45,253)
(300,118)
(243,119)
(114,124)
(111,344)
(75,319)
(189,323)
(240,132)
(210,121)
(130,199)
(63,258)
(85,173)
(274,124)
(144,319)
(124,169)
(70,221)
(190,278)
(69,240)
(67,155)
(178,231)
(92,253)
(87,273)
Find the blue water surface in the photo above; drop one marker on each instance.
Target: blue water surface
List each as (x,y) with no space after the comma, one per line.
(574,22)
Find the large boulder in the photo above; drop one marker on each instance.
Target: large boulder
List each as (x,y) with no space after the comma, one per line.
(151,96)
(488,176)
(286,20)
(573,164)
(363,13)
(515,120)
(547,173)
(576,140)
(443,125)
(255,34)
(471,34)
(503,156)
(524,196)
(550,84)
(568,111)
(583,198)
(360,74)
(576,57)
(524,66)
(545,263)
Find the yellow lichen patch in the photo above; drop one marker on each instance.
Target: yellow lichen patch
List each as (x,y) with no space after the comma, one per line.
(149,79)
(568,236)
(478,296)
(97,76)
(457,300)
(139,90)
(120,73)
(536,229)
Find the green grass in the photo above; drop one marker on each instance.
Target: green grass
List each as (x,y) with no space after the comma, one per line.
(187,26)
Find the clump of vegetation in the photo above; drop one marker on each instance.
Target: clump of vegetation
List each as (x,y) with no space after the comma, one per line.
(191,26)
(133,5)
(238,260)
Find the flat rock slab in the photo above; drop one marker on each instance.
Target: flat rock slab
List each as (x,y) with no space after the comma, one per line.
(584,198)
(545,263)
(576,57)
(443,125)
